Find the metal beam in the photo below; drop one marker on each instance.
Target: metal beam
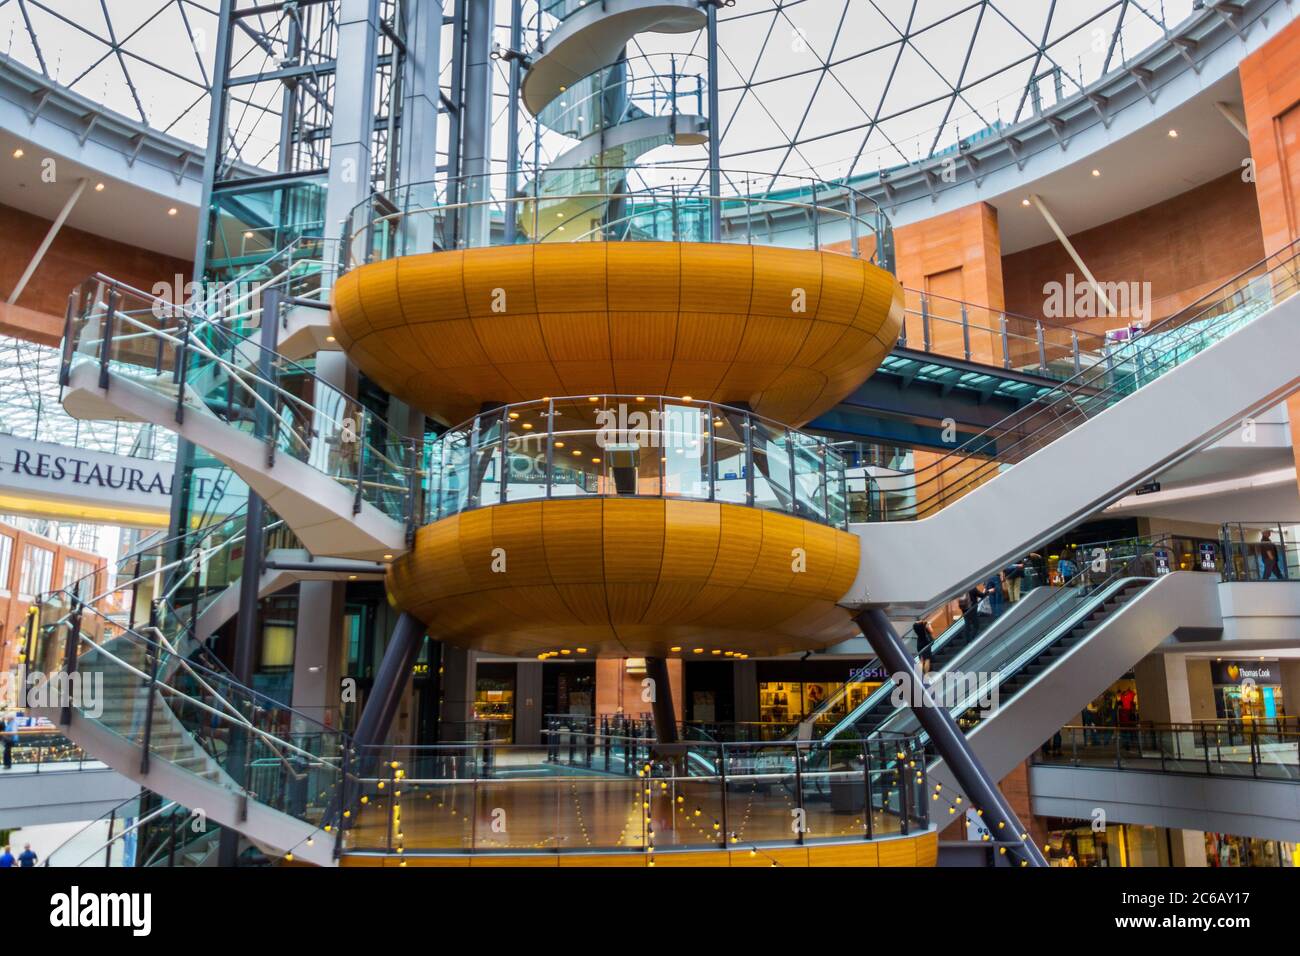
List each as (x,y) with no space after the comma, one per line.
(1231,116)
(950,743)
(50,234)
(1041,206)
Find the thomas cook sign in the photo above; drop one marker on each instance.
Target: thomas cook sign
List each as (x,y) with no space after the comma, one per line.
(46,480)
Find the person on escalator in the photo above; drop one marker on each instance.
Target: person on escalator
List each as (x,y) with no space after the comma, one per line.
(924,641)
(1014,574)
(970,611)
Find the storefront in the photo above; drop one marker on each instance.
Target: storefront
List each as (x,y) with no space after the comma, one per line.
(494,700)
(1225,850)
(1247,690)
(1075,843)
(569,688)
(789,691)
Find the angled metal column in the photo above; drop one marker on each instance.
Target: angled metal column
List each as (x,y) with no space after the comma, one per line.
(656,668)
(390,682)
(948,739)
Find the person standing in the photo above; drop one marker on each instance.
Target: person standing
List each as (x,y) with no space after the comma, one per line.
(924,641)
(1014,574)
(970,608)
(6,859)
(10,733)
(1268,558)
(27,858)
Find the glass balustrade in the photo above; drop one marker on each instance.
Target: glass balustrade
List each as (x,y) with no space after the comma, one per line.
(1263,749)
(1260,551)
(655,85)
(584,791)
(610,202)
(205,367)
(613,446)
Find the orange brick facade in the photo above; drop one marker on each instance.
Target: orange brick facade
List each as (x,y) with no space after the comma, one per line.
(72,257)
(14,545)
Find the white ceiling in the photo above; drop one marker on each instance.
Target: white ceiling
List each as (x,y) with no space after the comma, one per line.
(122,211)
(1137,171)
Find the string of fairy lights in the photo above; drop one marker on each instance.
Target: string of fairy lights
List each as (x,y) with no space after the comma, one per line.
(639,829)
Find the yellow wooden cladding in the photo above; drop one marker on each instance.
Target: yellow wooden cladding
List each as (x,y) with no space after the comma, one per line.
(791,332)
(628,576)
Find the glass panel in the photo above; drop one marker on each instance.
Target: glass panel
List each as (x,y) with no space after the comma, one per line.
(685,446)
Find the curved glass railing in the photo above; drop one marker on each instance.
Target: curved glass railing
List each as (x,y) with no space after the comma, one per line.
(606,446)
(593,792)
(1126,367)
(201,365)
(617,203)
(658,84)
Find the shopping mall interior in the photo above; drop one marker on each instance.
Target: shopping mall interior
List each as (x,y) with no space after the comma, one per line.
(573,433)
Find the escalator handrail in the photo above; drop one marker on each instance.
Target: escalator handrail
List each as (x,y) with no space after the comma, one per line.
(1065,391)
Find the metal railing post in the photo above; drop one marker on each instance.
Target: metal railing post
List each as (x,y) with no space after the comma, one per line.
(1006,346)
(1042,347)
(868,811)
(70,648)
(798,791)
(182,364)
(965,332)
(1074,347)
(925,322)
(361,454)
(153,689)
(106,345)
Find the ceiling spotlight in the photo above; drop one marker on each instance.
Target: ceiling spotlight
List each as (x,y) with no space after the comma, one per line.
(1096,172)
(1173,134)
(18,153)
(1024,202)
(172,211)
(99,187)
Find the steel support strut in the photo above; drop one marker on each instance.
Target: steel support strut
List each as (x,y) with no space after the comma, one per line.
(661,702)
(949,741)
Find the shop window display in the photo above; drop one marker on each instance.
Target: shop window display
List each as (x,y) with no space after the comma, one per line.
(1225,850)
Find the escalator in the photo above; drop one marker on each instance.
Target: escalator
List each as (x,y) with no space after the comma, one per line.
(933,533)
(1030,676)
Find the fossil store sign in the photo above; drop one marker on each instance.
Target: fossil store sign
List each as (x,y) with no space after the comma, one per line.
(41,479)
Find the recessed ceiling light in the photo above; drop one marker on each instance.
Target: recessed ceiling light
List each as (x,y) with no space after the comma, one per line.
(172,211)
(99,187)
(1173,134)
(248,235)
(18,153)
(329,338)
(1096,172)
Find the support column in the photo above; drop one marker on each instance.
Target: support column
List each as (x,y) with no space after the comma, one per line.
(457,692)
(656,669)
(1270,91)
(418,141)
(352,129)
(948,739)
(1052,224)
(528,702)
(476,121)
